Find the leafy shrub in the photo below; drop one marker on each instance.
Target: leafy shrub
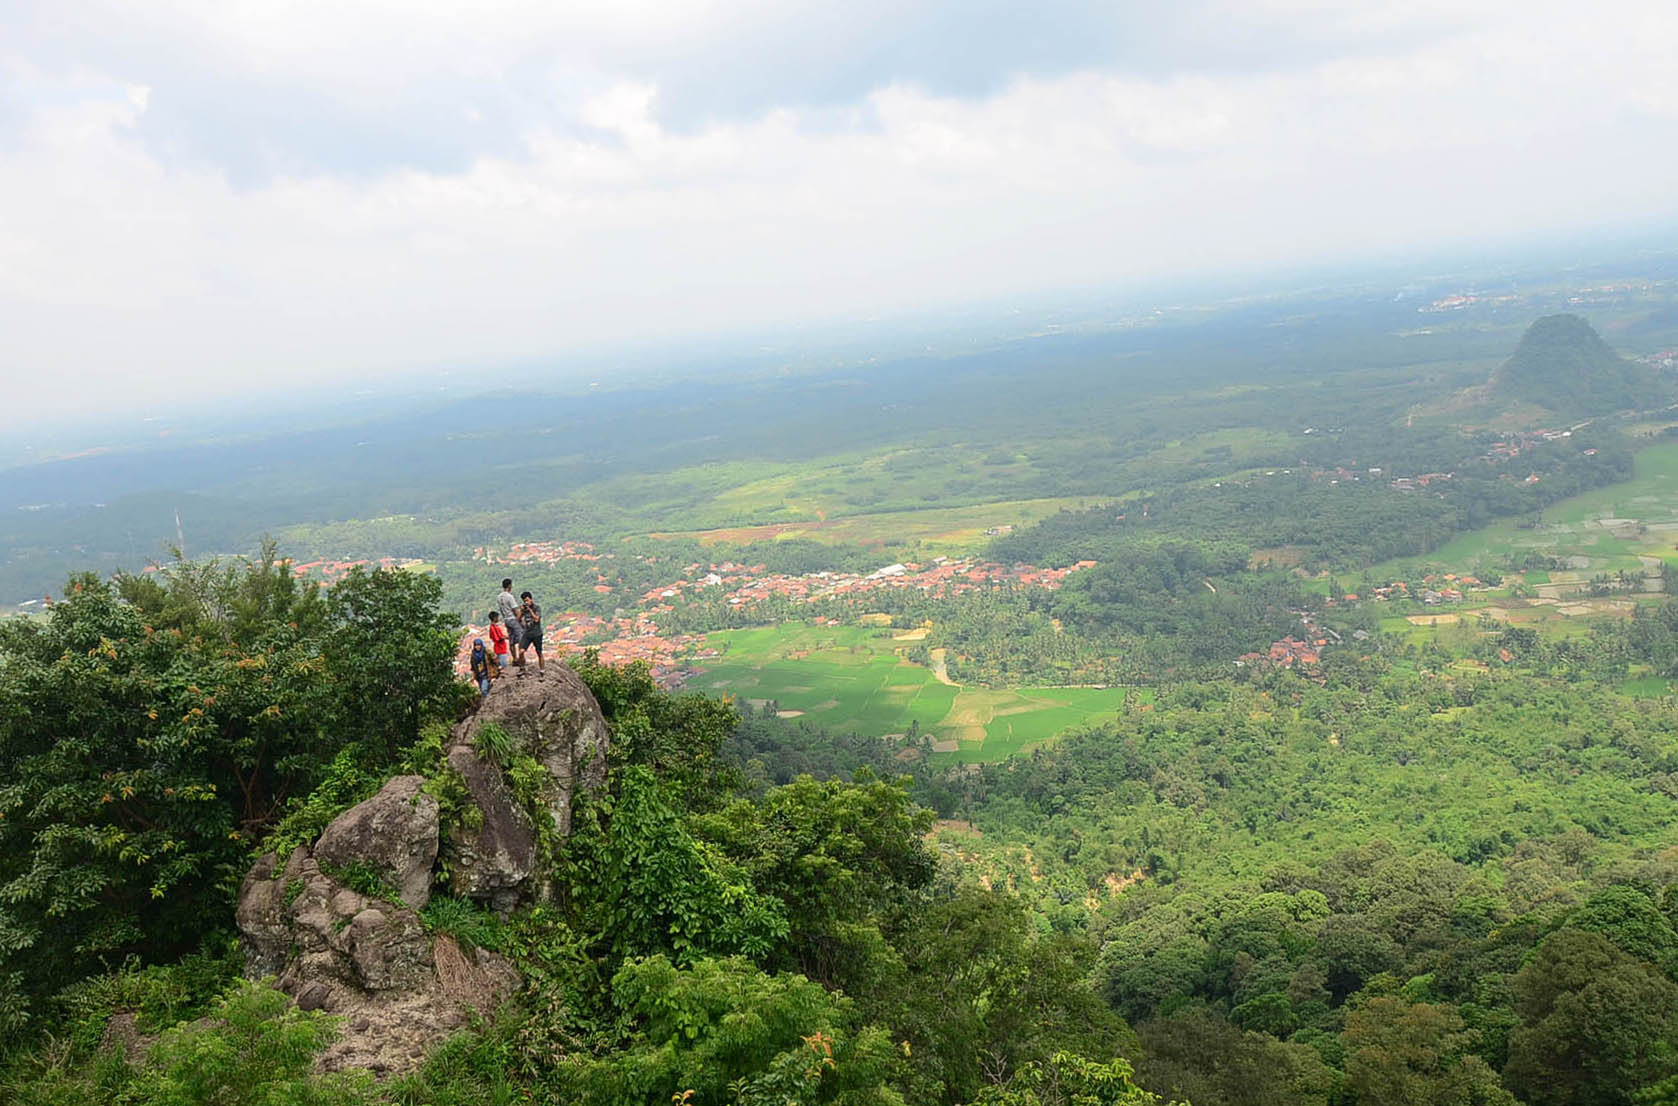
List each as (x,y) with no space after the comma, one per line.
(725,1031)
(255,1048)
(347,781)
(363,878)
(159,994)
(645,885)
(470,926)
(494,744)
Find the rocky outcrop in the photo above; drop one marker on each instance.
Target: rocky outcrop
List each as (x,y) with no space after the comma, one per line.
(315,935)
(493,860)
(553,718)
(394,834)
(365,954)
(366,959)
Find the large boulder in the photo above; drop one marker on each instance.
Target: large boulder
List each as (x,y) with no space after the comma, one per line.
(400,991)
(553,717)
(303,927)
(494,857)
(394,834)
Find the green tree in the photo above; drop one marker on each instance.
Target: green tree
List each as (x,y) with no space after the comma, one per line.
(723,1032)
(836,854)
(677,736)
(392,652)
(642,882)
(980,1000)
(1596,1024)
(1068,1079)
(1196,1056)
(153,727)
(1399,1053)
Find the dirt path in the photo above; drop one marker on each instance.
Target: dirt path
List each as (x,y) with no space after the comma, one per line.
(941,670)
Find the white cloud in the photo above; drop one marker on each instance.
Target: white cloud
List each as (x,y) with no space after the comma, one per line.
(136,260)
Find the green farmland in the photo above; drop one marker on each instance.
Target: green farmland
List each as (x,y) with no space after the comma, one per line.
(855,679)
(1624,526)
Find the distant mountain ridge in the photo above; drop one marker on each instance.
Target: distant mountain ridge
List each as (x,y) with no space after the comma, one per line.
(1563,364)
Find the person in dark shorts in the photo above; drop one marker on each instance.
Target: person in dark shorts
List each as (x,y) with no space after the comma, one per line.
(530,627)
(507,605)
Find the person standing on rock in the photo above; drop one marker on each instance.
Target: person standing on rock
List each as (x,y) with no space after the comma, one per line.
(530,620)
(498,641)
(481,664)
(508,607)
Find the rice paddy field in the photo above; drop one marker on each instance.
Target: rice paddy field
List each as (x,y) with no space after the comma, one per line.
(856,679)
(1631,525)
(946,530)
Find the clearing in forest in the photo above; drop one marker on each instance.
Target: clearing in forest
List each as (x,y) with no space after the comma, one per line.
(855,679)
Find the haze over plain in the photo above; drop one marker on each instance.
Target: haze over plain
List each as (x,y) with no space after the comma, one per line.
(210,198)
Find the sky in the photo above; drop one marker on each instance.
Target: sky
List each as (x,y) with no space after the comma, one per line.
(204,199)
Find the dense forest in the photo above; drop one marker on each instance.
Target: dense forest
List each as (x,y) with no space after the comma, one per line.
(719,941)
(1333,523)
(1433,872)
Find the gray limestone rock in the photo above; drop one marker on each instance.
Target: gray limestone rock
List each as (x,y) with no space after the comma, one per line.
(492,861)
(554,718)
(394,833)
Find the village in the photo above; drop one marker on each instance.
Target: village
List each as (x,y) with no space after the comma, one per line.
(636,635)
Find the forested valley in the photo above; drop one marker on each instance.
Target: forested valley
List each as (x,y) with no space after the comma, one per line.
(1314,849)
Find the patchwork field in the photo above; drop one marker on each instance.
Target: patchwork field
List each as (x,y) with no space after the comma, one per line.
(943,530)
(855,679)
(1629,528)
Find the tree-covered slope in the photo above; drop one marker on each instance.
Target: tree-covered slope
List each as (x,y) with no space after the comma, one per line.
(1563,364)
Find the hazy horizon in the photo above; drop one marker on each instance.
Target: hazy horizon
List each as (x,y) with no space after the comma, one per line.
(220,203)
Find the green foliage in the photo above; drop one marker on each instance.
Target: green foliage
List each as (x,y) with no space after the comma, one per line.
(1629,918)
(979,998)
(470,925)
(834,854)
(393,651)
(346,781)
(722,1031)
(475,1068)
(364,879)
(1194,1055)
(254,1048)
(676,736)
(154,728)
(1069,1080)
(642,882)
(1596,1024)
(1337,524)
(1399,1053)
(494,744)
